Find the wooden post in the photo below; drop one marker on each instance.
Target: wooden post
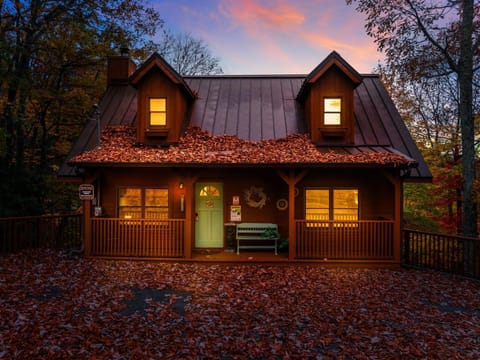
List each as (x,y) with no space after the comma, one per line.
(291,179)
(189,214)
(292,239)
(87,221)
(398,220)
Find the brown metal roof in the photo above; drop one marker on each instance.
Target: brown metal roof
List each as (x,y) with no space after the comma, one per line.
(264,108)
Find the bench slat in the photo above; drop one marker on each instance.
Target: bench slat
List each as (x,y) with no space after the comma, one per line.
(254,232)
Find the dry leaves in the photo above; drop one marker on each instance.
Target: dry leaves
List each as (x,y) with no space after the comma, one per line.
(53,306)
(199,147)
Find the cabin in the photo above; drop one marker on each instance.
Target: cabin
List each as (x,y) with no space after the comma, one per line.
(178,165)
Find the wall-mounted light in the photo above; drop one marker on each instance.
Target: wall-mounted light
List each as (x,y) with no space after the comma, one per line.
(180,185)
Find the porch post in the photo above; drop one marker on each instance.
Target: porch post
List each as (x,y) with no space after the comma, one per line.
(398,220)
(87,227)
(189,213)
(291,180)
(292,239)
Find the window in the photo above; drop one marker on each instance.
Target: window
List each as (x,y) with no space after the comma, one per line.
(209,190)
(331,204)
(332,111)
(143,203)
(158,112)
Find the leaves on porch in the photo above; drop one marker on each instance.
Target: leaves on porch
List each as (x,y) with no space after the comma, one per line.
(56,306)
(200,147)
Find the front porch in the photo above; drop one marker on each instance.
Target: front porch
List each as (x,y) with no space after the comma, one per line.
(325,241)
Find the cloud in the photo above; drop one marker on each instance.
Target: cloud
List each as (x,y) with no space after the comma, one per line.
(274,15)
(276,36)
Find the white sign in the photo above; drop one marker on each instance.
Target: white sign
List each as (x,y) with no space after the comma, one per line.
(86,192)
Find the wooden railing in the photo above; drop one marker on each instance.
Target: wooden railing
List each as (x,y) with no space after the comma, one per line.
(56,231)
(449,253)
(138,238)
(345,240)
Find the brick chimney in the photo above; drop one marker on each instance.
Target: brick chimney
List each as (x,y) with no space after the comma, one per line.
(119,68)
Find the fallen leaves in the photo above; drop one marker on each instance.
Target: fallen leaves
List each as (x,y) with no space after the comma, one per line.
(199,147)
(61,307)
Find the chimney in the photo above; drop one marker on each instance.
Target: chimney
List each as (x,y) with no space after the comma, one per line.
(119,68)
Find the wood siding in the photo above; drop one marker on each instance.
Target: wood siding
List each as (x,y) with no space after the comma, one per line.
(159,85)
(333,83)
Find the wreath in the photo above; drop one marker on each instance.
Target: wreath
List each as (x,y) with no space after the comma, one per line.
(255,197)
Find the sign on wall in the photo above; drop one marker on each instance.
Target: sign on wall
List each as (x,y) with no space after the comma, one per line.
(235,213)
(86,192)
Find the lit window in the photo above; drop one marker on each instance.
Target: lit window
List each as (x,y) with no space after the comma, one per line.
(332,110)
(317,204)
(209,190)
(330,204)
(138,203)
(158,111)
(345,204)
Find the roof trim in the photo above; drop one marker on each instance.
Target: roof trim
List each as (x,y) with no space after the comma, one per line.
(241,165)
(157,61)
(332,59)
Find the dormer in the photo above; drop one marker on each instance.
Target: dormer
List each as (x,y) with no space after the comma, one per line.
(163,101)
(327,97)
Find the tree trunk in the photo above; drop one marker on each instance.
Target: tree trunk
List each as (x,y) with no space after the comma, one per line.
(465,80)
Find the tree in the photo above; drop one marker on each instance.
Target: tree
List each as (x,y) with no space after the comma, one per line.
(429,39)
(51,70)
(188,55)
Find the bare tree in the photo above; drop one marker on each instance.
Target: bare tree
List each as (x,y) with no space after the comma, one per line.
(188,55)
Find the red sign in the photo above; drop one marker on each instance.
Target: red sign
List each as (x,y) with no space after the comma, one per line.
(236,200)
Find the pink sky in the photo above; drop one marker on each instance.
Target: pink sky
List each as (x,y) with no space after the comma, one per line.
(273,36)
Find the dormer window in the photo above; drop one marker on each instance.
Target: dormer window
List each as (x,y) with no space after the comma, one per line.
(158,112)
(332,111)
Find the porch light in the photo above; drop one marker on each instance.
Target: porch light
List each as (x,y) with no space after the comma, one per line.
(180,185)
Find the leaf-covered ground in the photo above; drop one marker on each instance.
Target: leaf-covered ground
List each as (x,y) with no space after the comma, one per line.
(54,306)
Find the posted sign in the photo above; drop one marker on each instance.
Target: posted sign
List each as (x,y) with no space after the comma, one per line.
(86,192)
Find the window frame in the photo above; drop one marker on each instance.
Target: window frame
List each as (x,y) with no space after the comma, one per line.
(331,206)
(143,206)
(150,112)
(325,112)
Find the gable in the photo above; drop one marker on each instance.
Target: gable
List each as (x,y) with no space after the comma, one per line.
(163,99)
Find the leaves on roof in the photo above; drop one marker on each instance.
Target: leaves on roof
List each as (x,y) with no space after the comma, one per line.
(53,306)
(200,147)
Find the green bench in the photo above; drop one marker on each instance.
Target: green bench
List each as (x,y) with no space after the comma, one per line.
(257,232)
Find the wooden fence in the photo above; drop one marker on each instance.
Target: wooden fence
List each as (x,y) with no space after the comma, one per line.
(449,253)
(138,238)
(57,231)
(345,240)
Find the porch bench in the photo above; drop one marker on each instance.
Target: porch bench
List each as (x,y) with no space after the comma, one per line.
(255,232)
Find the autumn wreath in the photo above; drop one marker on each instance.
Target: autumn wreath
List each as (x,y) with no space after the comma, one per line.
(255,197)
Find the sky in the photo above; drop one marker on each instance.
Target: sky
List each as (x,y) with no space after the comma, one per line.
(273,36)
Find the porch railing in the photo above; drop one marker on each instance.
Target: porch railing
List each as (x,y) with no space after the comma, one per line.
(345,240)
(449,253)
(138,237)
(54,231)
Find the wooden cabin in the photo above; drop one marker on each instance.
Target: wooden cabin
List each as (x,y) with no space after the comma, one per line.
(183,160)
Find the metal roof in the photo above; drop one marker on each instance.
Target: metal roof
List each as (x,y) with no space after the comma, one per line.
(263,108)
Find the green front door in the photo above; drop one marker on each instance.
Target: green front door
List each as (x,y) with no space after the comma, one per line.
(209,215)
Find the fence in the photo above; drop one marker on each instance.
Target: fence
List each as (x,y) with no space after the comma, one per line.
(449,253)
(138,237)
(362,239)
(58,231)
